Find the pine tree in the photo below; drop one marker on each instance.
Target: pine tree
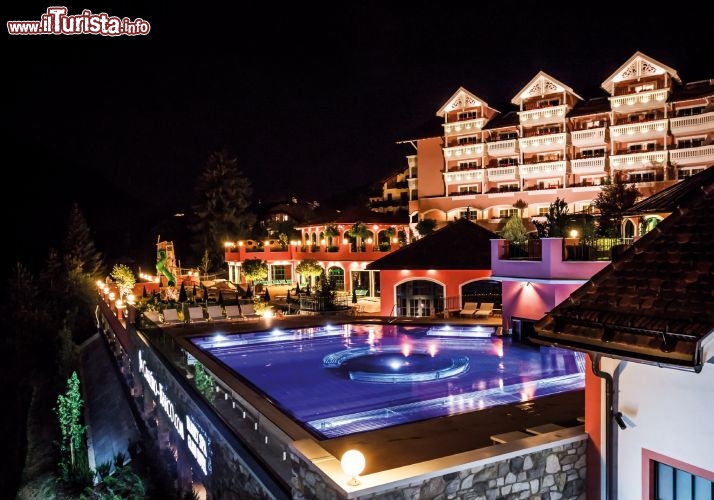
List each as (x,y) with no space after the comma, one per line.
(79,251)
(220,206)
(614,198)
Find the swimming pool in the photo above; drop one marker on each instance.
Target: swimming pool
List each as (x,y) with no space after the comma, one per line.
(344,379)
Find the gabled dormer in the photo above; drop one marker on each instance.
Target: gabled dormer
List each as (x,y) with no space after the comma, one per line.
(641,83)
(544,100)
(464,113)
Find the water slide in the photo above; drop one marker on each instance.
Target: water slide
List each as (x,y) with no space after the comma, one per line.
(161,267)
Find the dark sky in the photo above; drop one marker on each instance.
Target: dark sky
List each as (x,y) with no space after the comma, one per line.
(311,100)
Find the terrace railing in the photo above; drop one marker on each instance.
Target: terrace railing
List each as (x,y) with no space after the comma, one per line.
(530,249)
(594,249)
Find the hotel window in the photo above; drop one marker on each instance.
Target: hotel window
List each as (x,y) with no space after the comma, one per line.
(278,272)
(698,110)
(468,214)
(592,153)
(507,162)
(466,165)
(468,140)
(505,213)
(676,484)
(594,124)
(543,211)
(468,190)
(508,187)
(644,146)
(642,87)
(641,177)
(508,136)
(683,173)
(548,102)
(467,115)
(692,142)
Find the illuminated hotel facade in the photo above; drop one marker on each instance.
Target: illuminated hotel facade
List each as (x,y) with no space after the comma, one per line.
(651,128)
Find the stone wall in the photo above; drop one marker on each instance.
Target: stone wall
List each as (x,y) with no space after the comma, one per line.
(556,473)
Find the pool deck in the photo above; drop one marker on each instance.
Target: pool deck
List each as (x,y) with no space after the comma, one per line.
(411,443)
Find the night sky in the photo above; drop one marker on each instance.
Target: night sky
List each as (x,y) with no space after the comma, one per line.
(311,100)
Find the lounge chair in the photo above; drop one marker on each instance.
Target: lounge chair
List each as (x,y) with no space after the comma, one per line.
(248,311)
(171,316)
(215,313)
(195,314)
(152,316)
(469,309)
(233,312)
(484,310)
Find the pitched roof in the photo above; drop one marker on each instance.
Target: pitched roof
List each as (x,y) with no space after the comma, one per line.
(458,245)
(655,303)
(353,215)
(667,200)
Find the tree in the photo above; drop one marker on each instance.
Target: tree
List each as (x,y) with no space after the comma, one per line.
(425,227)
(254,269)
(331,230)
(613,199)
(79,251)
(555,220)
(359,232)
(220,206)
(309,268)
(124,278)
(69,411)
(514,230)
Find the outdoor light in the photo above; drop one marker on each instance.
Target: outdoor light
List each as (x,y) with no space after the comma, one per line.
(369,240)
(573,233)
(100,284)
(353,464)
(131,298)
(120,304)
(112,295)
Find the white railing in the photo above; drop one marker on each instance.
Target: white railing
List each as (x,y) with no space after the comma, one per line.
(503,148)
(464,150)
(543,115)
(463,176)
(687,156)
(589,137)
(588,165)
(639,100)
(685,124)
(464,126)
(543,142)
(541,169)
(619,162)
(634,131)
(501,173)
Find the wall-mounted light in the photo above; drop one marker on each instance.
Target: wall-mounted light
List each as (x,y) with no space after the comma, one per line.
(353,464)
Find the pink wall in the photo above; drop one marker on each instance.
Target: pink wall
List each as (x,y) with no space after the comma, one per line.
(451,279)
(430,163)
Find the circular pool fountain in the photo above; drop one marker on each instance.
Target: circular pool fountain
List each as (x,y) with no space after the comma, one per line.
(392,365)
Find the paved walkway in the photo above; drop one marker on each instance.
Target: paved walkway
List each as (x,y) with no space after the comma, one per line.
(110,423)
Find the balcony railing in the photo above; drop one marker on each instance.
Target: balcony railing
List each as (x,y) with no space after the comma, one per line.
(638,160)
(502,173)
(639,131)
(503,148)
(473,125)
(688,156)
(588,165)
(464,150)
(543,142)
(543,115)
(589,137)
(595,249)
(641,100)
(542,169)
(695,123)
(464,176)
